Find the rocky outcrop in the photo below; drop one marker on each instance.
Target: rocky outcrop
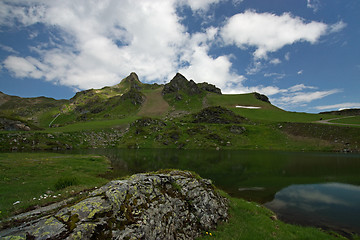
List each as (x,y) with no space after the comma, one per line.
(209,87)
(262,97)
(133,81)
(7,124)
(168,205)
(217,115)
(180,83)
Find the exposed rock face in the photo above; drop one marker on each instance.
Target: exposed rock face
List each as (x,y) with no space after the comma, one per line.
(170,205)
(180,83)
(13,125)
(136,97)
(261,97)
(218,115)
(209,87)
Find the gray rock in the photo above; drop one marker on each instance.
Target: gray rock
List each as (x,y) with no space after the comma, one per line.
(170,205)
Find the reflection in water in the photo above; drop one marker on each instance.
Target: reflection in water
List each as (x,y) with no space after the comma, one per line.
(329,205)
(259,175)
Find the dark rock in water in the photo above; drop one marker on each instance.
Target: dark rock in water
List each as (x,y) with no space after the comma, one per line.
(218,115)
(209,87)
(169,205)
(261,97)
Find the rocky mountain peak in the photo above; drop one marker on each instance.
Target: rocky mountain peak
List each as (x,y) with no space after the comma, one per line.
(133,80)
(180,83)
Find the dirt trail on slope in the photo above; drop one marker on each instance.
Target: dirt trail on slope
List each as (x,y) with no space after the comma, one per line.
(327,121)
(154,105)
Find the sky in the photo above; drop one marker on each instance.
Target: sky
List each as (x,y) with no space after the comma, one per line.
(303,54)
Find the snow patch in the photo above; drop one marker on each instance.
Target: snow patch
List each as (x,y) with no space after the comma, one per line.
(248,107)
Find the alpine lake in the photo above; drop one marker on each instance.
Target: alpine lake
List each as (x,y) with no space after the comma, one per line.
(305,188)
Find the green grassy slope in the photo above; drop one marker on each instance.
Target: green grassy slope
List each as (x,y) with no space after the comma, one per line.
(267,112)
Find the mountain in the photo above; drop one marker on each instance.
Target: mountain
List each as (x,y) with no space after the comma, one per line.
(179,114)
(130,97)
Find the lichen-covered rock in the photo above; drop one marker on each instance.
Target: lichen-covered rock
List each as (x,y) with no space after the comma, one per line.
(169,205)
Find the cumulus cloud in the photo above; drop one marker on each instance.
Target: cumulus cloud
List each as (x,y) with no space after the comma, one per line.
(339,106)
(106,41)
(268,32)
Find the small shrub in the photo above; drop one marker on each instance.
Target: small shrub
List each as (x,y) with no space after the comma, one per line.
(64,182)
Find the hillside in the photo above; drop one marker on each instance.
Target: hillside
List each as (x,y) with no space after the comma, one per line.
(179,114)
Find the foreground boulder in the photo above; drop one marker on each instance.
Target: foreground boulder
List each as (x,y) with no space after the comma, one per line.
(170,205)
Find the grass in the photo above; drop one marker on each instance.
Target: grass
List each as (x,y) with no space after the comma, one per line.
(251,221)
(267,113)
(93,125)
(189,103)
(348,120)
(27,176)
(212,136)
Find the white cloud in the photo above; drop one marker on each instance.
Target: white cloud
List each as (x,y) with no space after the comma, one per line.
(197,5)
(303,97)
(26,15)
(287,56)
(337,27)
(8,49)
(106,41)
(275,61)
(313,4)
(300,72)
(275,75)
(237,2)
(23,67)
(300,87)
(254,68)
(269,32)
(339,106)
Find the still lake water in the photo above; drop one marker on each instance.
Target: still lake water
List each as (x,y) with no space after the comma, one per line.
(301,188)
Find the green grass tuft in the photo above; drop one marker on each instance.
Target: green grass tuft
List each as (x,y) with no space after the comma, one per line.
(65,182)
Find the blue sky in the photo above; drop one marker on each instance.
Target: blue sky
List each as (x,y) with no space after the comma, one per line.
(303,54)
